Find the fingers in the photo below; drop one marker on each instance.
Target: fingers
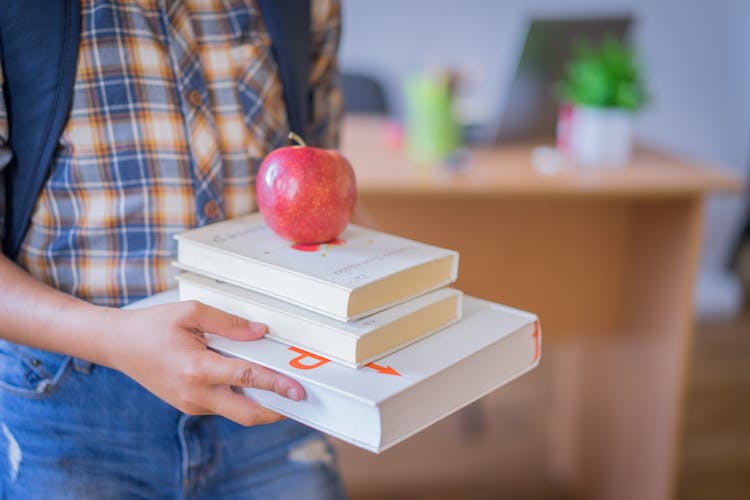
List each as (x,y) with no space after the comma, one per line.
(239,408)
(211,377)
(208,319)
(207,377)
(230,371)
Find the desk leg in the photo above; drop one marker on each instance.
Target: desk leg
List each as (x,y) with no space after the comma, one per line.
(619,398)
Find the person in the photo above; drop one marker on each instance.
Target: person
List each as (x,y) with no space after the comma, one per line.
(175,104)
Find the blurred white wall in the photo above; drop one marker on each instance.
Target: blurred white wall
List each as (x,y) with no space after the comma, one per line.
(697,57)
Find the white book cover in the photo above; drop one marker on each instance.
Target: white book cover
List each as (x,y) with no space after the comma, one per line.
(362,272)
(353,343)
(377,406)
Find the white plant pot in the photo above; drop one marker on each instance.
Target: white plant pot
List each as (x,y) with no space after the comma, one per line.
(601,137)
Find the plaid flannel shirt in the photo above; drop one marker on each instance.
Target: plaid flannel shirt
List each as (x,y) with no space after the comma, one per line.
(175,104)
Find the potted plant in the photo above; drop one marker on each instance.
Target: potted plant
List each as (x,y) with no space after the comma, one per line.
(601,90)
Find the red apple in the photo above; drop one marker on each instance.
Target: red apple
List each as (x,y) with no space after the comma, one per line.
(306,194)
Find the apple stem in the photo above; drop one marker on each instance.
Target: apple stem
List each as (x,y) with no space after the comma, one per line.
(296,138)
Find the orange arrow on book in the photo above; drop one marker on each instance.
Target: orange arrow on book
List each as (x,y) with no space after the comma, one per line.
(385,370)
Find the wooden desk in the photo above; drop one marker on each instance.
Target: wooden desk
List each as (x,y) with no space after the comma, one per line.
(606,258)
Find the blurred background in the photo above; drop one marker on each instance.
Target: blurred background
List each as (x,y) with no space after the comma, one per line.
(589,160)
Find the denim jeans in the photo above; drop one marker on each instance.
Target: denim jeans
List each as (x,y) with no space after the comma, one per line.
(70,429)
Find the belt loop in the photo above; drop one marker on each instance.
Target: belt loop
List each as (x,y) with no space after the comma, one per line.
(82,366)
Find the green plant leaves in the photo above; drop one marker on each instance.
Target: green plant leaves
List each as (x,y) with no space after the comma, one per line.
(604,75)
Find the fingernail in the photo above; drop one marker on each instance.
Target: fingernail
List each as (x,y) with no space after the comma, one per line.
(294,394)
(258,328)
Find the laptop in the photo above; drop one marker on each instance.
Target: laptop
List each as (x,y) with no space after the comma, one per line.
(529,110)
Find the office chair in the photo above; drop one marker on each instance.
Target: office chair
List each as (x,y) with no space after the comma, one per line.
(363,94)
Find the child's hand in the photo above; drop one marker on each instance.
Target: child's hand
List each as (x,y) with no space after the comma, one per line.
(164,349)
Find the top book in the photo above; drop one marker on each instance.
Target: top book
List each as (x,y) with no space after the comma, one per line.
(362,272)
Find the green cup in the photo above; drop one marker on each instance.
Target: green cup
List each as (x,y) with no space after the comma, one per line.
(431,130)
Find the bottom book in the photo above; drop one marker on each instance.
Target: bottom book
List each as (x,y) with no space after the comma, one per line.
(383,403)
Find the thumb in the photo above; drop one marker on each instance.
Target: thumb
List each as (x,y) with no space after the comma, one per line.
(208,319)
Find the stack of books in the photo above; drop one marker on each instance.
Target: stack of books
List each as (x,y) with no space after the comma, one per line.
(367,324)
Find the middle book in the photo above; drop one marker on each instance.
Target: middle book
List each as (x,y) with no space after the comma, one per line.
(353,343)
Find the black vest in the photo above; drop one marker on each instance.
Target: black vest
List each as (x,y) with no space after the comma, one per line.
(39,51)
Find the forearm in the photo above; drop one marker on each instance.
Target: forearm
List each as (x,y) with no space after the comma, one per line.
(37,315)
